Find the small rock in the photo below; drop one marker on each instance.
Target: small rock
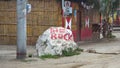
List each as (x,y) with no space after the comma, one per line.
(91,50)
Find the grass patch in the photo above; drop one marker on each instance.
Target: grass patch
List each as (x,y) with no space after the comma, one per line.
(49,56)
(70,52)
(110,35)
(79,49)
(30,55)
(65,53)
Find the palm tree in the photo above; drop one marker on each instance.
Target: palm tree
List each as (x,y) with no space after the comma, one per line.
(107,8)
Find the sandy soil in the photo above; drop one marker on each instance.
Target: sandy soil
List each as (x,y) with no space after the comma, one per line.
(84,60)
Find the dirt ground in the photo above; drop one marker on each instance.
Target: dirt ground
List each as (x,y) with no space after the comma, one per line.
(84,60)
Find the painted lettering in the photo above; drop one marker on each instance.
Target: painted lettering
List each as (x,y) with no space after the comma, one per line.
(60,33)
(60,36)
(68,37)
(61,30)
(53,36)
(52,30)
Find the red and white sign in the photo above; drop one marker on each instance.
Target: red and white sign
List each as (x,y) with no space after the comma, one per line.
(67,9)
(68,4)
(68,22)
(87,22)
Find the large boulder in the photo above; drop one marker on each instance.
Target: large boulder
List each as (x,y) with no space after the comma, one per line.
(54,40)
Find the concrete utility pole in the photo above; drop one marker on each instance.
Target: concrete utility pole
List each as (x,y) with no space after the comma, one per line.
(21,29)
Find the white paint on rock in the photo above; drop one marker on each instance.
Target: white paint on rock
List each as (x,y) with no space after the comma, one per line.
(62,40)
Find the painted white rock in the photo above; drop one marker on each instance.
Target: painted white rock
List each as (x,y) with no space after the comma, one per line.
(54,40)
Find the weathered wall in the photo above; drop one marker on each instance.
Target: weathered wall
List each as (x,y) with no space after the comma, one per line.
(44,14)
(7,22)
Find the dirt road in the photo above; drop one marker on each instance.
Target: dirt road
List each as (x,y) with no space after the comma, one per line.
(84,60)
